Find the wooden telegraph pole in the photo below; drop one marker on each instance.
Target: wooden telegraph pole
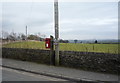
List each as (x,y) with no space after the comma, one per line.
(56,33)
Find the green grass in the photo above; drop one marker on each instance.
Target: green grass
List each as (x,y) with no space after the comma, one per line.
(104,48)
(29,44)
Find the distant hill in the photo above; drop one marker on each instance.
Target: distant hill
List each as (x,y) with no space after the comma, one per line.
(99,41)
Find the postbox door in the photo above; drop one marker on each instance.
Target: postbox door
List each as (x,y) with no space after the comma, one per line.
(47,42)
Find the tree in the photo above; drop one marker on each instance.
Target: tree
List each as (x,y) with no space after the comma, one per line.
(66,41)
(39,34)
(63,41)
(95,41)
(12,36)
(75,41)
(33,37)
(23,37)
(19,36)
(4,34)
(43,35)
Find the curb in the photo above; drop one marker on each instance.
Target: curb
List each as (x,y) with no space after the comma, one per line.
(55,76)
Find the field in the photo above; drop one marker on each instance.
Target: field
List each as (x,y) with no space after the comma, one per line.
(104,48)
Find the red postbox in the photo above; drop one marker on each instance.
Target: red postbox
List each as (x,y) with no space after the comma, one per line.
(47,42)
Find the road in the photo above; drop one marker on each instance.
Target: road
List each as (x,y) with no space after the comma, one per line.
(16,75)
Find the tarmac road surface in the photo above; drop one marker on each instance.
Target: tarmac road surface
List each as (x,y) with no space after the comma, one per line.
(16,75)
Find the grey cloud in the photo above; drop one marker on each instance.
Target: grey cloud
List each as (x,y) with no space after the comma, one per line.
(76,16)
(40,22)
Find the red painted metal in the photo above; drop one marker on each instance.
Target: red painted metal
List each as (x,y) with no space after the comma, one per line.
(47,42)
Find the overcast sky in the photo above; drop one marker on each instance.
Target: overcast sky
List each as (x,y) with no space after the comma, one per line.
(78,20)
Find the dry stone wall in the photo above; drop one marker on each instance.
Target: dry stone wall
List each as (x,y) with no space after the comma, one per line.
(101,62)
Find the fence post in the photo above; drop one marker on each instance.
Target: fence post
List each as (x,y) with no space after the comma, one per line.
(52,56)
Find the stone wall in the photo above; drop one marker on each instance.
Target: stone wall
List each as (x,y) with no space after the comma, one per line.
(34,55)
(101,62)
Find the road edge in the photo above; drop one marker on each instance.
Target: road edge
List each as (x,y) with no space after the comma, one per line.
(56,76)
